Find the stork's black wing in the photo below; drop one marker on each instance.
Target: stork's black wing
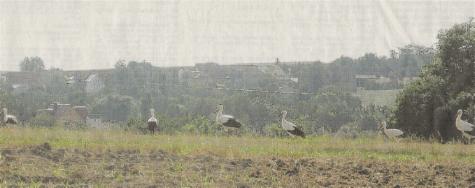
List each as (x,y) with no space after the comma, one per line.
(11,121)
(232,123)
(297,132)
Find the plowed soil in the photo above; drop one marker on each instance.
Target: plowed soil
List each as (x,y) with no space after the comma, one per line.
(44,165)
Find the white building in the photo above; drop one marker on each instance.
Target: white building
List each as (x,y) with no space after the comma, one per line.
(94,84)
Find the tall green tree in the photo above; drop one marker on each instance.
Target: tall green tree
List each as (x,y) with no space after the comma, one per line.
(427,107)
(34,64)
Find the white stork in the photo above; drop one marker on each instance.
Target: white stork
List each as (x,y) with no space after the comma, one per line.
(391,133)
(464,126)
(152,122)
(7,118)
(226,120)
(291,128)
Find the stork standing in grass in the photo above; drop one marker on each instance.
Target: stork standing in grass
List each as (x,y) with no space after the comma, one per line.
(152,122)
(464,126)
(391,133)
(226,120)
(7,118)
(291,128)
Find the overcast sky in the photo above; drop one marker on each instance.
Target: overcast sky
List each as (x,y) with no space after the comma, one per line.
(93,34)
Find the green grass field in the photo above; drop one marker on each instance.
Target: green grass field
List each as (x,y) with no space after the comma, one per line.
(113,158)
(378,97)
(241,147)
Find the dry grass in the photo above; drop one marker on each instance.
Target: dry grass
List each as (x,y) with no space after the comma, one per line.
(241,147)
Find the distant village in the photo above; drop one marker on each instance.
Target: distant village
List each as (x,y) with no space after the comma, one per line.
(201,75)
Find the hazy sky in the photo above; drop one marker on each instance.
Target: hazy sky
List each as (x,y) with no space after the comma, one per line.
(95,34)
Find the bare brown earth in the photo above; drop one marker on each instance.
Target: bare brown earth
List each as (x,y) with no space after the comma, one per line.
(44,165)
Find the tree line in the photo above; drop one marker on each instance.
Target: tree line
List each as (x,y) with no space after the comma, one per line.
(132,88)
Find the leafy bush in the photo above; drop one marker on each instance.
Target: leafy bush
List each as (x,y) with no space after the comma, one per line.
(116,107)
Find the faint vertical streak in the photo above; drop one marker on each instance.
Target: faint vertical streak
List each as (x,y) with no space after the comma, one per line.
(393,22)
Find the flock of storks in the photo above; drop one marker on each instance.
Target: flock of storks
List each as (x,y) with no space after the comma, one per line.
(229,121)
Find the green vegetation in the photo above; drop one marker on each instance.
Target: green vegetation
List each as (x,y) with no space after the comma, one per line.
(368,147)
(35,64)
(378,97)
(185,97)
(183,100)
(427,107)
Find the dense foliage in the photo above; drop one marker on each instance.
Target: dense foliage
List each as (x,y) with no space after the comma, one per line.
(427,107)
(405,63)
(32,64)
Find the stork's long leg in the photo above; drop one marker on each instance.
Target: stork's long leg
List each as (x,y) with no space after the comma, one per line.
(468,137)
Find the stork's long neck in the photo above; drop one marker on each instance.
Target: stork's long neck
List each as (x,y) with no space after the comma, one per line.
(459,117)
(283,117)
(152,113)
(219,114)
